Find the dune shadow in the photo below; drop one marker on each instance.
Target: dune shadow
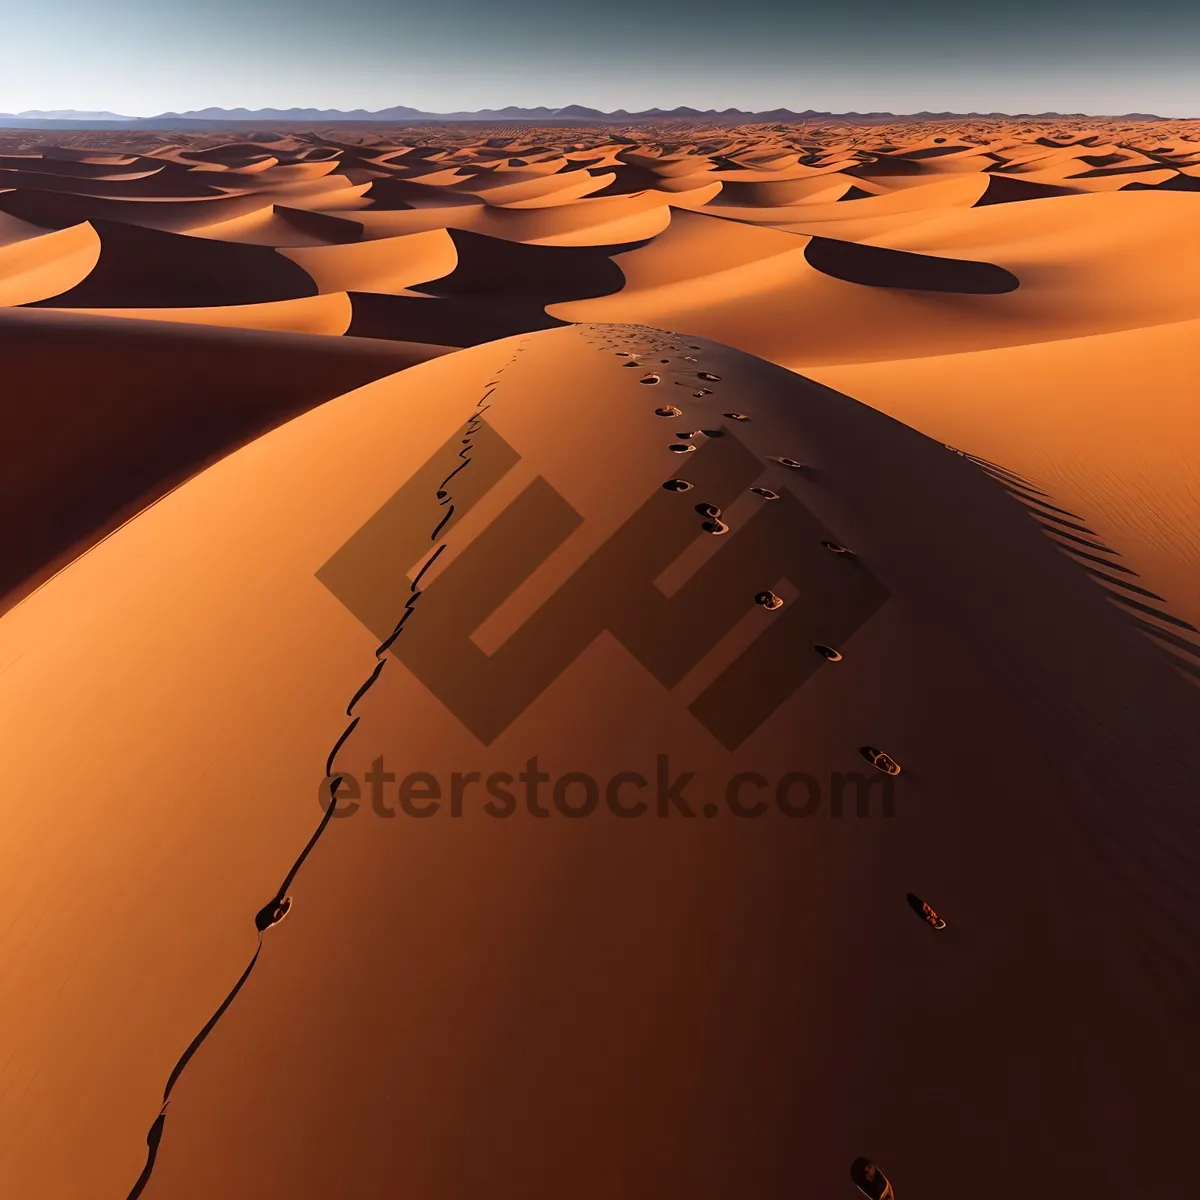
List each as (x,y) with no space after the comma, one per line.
(489,266)
(446,320)
(117,411)
(1109,172)
(936,151)
(58,209)
(391,195)
(151,268)
(165,182)
(854,192)
(1177,183)
(1010,189)
(629,180)
(876,266)
(884,166)
(1175,642)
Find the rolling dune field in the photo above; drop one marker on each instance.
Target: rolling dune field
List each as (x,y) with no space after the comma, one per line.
(462,591)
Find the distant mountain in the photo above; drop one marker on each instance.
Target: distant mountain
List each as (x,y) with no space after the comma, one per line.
(572,114)
(581,112)
(280,114)
(67,114)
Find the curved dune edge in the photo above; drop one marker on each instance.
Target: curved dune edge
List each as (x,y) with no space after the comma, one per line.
(280,225)
(877,266)
(47,265)
(13,230)
(543,191)
(1063,413)
(328,313)
(57,210)
(1095,225)
(381,265)
(963,595)
(142,267)
(1087,265)
(117,410)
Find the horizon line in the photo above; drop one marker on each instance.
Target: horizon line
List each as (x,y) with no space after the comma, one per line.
(217,112)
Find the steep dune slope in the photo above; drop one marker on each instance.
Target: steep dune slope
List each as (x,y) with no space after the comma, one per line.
(1109,425)
(104,414)
(663,1004)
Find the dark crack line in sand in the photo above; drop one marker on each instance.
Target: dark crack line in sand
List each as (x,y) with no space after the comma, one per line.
(443,497)
(154,1136)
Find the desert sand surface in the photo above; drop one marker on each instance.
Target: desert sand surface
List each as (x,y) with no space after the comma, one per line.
(704,454)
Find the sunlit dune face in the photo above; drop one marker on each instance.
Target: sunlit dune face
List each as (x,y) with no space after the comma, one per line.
(831,489)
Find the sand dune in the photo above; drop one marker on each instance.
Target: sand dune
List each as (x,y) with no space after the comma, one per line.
(56,210)
(1080,269)
(140,267)
(608,220)
(382,265)
(1074,415)
(47,265)
(731,455)
(328,313)
(533,189)
(104,414)
(280,225)
(449,967)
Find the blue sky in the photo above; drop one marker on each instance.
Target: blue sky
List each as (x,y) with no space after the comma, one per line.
(142,57)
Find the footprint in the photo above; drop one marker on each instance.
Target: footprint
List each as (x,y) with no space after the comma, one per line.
(923,911)
(668,411)
(714,527)
(709,377)
(765,493)
(828,652)
(689,434)
(650,379)
(768,600)
(680,448)
(787,462)
(736,416)
(713,433)
(708,510)
(678,485)
(880,761)
(272,914)
(834,548)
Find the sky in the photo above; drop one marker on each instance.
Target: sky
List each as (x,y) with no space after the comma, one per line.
(143,57)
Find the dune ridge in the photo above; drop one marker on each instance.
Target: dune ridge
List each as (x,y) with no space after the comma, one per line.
(524,930)
(756,458)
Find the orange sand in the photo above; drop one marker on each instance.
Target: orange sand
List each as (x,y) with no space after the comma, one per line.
(976,346)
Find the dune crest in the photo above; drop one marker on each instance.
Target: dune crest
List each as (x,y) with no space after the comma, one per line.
(617,662)
(359,620)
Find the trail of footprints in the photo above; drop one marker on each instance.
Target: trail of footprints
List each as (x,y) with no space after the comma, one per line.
(711,515)
(687,440)
(712,523)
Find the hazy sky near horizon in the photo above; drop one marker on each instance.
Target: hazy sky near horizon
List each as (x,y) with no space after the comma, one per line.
(143,57)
